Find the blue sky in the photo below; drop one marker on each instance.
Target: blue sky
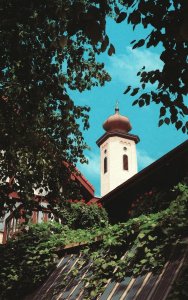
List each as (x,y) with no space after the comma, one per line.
(123,66)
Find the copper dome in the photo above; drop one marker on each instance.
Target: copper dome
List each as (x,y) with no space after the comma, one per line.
(117,123)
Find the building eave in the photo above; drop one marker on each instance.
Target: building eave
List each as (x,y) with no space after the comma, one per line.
(167,170)
(106,135)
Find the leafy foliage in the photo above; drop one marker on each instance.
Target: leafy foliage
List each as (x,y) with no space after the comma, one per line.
(147,241)
(77,214)
(167,24)
(34,249)
(49,47)
(31,253)
(153,201)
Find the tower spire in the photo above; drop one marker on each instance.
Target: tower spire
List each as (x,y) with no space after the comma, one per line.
(117,107)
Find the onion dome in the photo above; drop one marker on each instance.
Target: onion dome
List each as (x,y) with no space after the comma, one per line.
(117,123)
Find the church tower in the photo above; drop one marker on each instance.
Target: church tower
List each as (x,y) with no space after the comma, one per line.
(117,152)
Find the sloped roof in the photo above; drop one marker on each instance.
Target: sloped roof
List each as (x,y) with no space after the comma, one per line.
(147,287)
(164,172)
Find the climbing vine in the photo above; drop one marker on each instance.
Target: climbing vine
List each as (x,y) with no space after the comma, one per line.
(78,214)
(34,249)
(147,241)
(152,201)
(144,243)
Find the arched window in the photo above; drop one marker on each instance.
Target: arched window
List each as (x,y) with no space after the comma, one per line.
(125,162)
(105,165)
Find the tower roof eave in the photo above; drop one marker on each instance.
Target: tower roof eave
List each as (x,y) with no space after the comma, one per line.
(106,135)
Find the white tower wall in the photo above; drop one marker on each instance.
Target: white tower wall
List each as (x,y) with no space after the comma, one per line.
(113,149)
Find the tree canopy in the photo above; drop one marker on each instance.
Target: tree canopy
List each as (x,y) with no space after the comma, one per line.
(168,25)
(49,48)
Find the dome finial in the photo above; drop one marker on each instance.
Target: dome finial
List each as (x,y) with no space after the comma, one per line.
(117,123)
(117,107)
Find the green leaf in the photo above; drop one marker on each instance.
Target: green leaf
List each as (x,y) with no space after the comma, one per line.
(141,102)
(178,124)
(162,111)
(121,17)
(140,43)
(150,238)
(143,261)
(141,235)
(105,43)
(167,121)
(135,91)
(135,102)
(130,254)
(111,50)
(127,90)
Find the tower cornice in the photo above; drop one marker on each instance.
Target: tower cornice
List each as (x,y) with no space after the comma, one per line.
(128,136)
